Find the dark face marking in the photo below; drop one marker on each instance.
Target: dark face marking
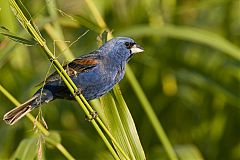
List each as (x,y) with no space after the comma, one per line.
(129,44)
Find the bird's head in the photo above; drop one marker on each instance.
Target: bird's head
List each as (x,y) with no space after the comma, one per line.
(121,48)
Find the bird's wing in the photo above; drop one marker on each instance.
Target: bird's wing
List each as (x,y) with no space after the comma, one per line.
(79,65)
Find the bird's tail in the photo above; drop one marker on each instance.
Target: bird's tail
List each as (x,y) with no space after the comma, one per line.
(17,113)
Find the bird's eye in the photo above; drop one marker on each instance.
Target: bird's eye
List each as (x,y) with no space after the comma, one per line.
(128,45)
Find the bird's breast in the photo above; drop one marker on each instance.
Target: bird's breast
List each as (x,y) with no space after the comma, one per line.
(99,81)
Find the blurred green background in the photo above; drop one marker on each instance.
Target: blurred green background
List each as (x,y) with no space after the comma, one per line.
(190,72)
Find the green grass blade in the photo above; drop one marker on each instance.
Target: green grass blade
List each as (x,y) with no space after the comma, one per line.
(115,125)
(129,125)
(15,37)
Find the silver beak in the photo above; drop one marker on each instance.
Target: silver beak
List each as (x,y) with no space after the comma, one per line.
(136,49)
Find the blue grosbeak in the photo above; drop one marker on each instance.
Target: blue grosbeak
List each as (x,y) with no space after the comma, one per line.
(94,74)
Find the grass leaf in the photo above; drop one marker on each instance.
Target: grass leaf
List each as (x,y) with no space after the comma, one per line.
(4,31)
(121,124)
(53,138)
(188,152)
(115,125)
(27,149)
(129,125)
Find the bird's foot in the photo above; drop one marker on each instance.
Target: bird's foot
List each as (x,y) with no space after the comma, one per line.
(93,114)
(52,59)
(77,93)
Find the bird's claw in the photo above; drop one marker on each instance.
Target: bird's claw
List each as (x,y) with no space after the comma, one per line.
(93,114)
(77,93)
(52,59)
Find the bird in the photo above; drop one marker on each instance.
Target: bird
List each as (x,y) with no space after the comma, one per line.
(94,74)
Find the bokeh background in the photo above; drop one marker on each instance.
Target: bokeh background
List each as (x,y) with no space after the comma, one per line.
(190,73)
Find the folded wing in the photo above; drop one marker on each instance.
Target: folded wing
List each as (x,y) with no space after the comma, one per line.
(79,65)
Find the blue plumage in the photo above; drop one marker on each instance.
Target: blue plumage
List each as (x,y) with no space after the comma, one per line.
(94,74)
